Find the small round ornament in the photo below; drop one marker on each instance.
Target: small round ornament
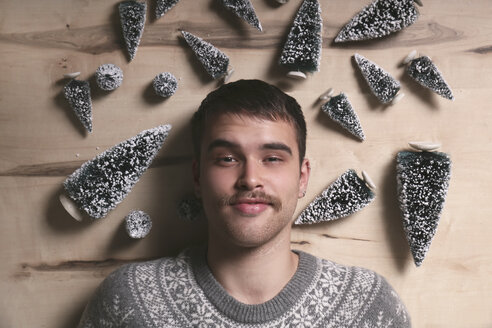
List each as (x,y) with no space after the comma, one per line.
(165,84)
(138,224)
(109,77)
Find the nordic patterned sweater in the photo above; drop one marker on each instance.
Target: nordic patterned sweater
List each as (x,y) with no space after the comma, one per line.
(182,292)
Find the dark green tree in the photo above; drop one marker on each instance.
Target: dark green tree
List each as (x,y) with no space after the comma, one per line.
(215,61)
(347,195)
(243,9)
(163,6)
(103,182)
(422,185)
(302,50)
(382,84)
(380,18)
(132,17)
(340,110)
(423,70)
(78,95)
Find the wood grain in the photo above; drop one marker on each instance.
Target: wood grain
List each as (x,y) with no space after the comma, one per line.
(67,168)
(101,39)
(51,264)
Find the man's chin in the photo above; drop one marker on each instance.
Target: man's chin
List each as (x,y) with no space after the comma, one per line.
(248,244)
(251,238)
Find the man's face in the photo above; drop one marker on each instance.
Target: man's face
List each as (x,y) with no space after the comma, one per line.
(249,179)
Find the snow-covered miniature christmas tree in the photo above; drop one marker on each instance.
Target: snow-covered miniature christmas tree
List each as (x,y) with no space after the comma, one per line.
(78,95)
(382,84)
(347,195)
(340,110)
(302,50)
(215,61)
(109,77)
(243,9)
(190,208)
(132,17)
(422,182)
(165,84)
(138,224)
(103,182)
(423,70)
(380,18)
(163,6)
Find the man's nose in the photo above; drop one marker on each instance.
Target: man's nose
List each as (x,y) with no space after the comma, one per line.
(250,176)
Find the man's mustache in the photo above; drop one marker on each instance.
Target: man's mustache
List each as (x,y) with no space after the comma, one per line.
(260,196)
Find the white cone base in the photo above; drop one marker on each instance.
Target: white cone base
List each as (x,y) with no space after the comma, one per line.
(297,75)
(70,206)
(424,146)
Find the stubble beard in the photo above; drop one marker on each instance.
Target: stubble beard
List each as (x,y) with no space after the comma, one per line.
(251,236)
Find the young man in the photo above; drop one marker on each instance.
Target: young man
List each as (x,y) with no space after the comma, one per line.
(249,170)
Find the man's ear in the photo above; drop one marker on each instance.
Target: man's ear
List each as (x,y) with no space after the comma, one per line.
(196,177)
(304,177)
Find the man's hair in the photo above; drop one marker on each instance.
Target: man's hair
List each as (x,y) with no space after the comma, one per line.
(252,98)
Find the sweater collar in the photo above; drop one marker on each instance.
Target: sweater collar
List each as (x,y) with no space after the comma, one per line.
(256,313)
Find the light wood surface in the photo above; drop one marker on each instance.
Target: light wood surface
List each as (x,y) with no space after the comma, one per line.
(51,264)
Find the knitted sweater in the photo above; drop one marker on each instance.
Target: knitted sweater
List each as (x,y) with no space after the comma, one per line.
(182,292)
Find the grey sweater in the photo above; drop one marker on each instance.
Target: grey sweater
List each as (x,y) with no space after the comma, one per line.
(182,292)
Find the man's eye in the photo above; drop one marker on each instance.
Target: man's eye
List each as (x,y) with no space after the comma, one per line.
(273,159)
(226,159)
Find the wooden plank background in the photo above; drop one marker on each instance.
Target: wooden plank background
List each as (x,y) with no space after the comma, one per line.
(50,264)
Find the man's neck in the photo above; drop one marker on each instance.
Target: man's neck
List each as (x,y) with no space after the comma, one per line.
(253,275)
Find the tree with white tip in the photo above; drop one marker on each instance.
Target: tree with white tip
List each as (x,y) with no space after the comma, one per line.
(302,50)
(103,182)
(379,19)
(340,110)
(425,72)
(384,86)
(78,95)
(215,62)
(132,18)
(163,6)
(243,9)
(347,195)
(422,185)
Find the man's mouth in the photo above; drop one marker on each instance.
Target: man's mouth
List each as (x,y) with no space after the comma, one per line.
(251,203)
(250,207)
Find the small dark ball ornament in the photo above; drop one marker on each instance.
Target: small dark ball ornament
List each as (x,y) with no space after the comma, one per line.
(165,84)
(138,224)
(109,77)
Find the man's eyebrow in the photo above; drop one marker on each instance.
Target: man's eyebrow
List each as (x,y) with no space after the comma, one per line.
(277,146)
(268,146)
(221,143)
